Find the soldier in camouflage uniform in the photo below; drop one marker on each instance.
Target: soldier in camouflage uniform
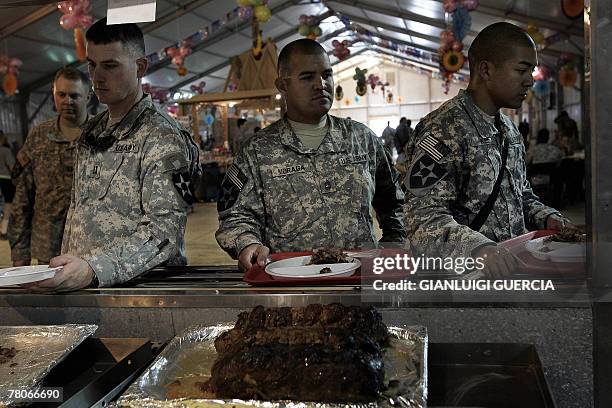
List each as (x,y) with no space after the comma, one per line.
(310,179)
(44,181)
(133,174)
(457,155)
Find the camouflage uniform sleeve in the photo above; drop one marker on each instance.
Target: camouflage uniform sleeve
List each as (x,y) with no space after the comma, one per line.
(535,212)
(432,183)
(165,166)
(20,223)
(388,196)
(240,206)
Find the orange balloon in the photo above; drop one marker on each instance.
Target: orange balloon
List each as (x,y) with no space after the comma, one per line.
(79,42)
(9,84)
(567,77)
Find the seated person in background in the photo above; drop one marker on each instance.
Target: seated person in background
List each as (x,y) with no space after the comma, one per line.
(309,179)
(543,152)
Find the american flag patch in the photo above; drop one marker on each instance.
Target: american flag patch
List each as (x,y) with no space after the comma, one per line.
(435,148)
(236,176)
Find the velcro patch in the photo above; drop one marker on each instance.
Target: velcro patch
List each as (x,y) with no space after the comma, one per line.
(283,171)
(435,148)
(184,186)
(354,158)
(174,162)
(232,184)
(424,174)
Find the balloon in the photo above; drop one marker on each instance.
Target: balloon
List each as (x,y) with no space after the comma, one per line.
(262,13)
(303,20)
(79,40)
(68,21)
(339,94)
(567,76)
(178,60)
(449,5)
(311,36)
(446,37)
(304,30)
(9,84)
(311,20)
(317,31)
(541,88)
(457,46)
(245,13)
(470,5)
(181,70)
(243,3)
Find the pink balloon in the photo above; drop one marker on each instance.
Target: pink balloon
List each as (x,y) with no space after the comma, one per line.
(335,43)
(470,4)
(450,5)
(184,51)
(64,7)
(177,60)
(68,21)
(303,19)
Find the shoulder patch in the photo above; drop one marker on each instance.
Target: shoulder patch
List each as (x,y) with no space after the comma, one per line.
(424,173)
(435,148)
(232,184)
(173,162)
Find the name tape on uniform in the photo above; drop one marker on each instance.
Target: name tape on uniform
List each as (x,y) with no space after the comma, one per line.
(352,159)
(126,148)
(288,170)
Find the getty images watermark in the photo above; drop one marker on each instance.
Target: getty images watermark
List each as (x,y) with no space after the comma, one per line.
(471,275)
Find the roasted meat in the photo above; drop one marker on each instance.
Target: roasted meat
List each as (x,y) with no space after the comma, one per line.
(7,354)
(328,256)
(328,353)
(567,235)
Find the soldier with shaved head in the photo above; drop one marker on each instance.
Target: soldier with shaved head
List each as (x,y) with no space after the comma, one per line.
(310,179)
(467,187)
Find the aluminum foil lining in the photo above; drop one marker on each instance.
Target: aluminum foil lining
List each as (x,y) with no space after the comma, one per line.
(190,356)
(38,350)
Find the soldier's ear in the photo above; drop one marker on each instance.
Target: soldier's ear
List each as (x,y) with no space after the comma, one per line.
(280,85)
(485,69)
(142,64)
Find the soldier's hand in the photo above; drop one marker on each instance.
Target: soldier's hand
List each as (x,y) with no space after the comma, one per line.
(75,274)
(499,262)
(557,222)
(254,253)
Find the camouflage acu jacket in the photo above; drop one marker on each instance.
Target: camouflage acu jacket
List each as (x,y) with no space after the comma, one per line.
(291,198)
(42,194)
(130,194)
(455,159)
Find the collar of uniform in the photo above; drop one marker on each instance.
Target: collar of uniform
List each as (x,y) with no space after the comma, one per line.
(55,134)
(131,119)
(332,142)
(484,128)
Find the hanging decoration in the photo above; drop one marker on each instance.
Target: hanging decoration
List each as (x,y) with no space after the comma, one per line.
(341,49)
(9,67)
(572,9)
(178,56)
(309,26)
(451,57)
(567,69)
(541,73)
(360,77)
(76,17)
(199,88)
(536,35)
(339,94)
(173,110)
(257,8)
(541,88)
(382,86)
(389,96)
(357,99)
(160,95)
(373,80)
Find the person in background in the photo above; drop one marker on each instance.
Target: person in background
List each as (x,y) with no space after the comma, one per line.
(44,184)
(310,179)
(7,161)
(403,134)
(388,137)
(543,152)
(239,137)
(523,129)
(462,199)
(568,132)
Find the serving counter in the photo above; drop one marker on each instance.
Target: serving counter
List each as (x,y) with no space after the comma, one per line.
(165,301)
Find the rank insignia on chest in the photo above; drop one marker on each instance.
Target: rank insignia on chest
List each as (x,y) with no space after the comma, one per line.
(424,174)
(184,186)
(126,148)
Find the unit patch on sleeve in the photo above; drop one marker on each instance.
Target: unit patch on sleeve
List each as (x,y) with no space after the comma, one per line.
(231,186)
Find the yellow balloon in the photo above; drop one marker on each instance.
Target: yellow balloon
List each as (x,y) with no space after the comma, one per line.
(262,13)
(243,3)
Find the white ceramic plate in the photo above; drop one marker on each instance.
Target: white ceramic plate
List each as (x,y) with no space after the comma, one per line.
(298,268)
(557,251)
(26,274)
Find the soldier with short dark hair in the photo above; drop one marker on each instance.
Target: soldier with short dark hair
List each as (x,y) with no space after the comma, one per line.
(457,158)
(132,177)
(44,180)
(309,179)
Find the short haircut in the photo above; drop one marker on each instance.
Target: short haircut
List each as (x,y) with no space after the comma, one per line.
(240,122)
(72,74)
(496,42)
(301,46)
(127,34)
(543,136)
